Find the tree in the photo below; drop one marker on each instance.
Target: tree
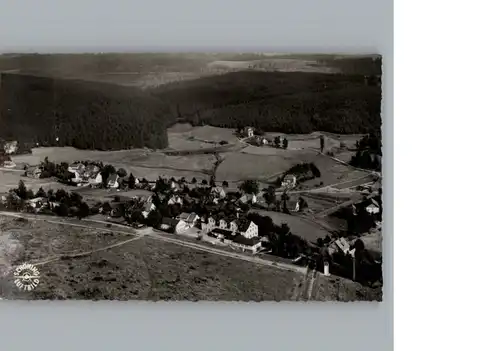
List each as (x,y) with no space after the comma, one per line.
(193,181)
(322,143)
(21,190)
(62,210)
(225,184)
(284,199)
(270,195)
(131,181)
(106,171)
(204,182)
(106,208)
(75,198)
(249,186)
(285,143)
(60,195)
(41,193)
(121,173)
(83,210)
(277,141)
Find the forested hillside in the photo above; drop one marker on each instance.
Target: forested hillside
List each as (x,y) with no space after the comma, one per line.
(93,115)
(86,115)
(286,102)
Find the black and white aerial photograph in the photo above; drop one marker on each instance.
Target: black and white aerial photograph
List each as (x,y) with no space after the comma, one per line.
(191,176)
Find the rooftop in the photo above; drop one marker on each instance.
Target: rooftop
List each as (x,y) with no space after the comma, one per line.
(169,221)
(240,239)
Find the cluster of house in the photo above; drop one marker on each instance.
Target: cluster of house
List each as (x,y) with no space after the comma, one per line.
(249,132)
(36,204)
(87,175)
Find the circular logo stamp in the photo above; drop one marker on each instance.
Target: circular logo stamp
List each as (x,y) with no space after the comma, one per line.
(27,277)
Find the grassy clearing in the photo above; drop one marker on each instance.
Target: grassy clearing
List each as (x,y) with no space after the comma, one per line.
(153,270)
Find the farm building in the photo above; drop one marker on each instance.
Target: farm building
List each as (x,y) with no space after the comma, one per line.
(172,225)
(33,172)
(289,181)
(113,181)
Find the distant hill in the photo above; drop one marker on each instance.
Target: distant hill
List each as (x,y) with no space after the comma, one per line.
(295,102)
(86,115)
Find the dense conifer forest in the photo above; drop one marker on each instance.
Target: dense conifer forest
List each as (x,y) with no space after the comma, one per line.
(95,115)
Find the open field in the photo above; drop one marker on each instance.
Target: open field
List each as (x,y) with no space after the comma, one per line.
(39,239)
(241,166)
(298,226)
(344,289)
(147,269)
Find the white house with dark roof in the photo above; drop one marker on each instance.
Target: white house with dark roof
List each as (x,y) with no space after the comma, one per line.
(233,226)
(222,224)
(33,172)
(241,242)
(289,181)
(10,147)
(218,192)
(113,181)
(174,225)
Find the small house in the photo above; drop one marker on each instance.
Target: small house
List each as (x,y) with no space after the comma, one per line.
(36,202)
(176,199)
(248,229)
(222,234)
(239,241)
(148,208)
(172,225)
(95,179)
(233,226)
(9,164)
(289,181)
(33,172)
(373,208)
(249,132)
(113,181)
(10,147)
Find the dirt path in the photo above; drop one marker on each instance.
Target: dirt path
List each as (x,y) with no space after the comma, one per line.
(155,235)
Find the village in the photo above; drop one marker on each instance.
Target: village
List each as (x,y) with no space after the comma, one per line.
(220,214)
